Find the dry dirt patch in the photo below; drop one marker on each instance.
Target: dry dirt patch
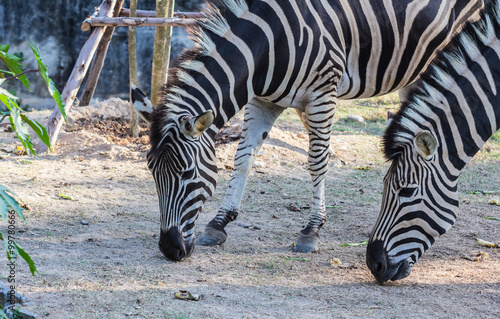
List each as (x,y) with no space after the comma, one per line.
(112,268)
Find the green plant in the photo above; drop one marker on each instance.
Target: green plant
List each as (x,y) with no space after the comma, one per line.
(9,205)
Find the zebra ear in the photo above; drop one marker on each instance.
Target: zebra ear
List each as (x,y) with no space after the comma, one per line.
(141,103)
(426,145)
(195,125)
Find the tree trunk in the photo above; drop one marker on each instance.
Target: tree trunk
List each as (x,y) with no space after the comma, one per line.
(132,59)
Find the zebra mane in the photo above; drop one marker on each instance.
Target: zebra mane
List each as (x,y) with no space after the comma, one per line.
(219,14)
(424,95)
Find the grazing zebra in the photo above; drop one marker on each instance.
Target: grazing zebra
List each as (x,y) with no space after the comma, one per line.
(270,55)
(453,109)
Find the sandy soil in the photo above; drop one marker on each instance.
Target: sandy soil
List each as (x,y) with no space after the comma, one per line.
(98,256)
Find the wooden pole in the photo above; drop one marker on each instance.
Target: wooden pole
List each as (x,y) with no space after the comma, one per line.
(161,51)
(86,26)
(168,40)
(75,79)
(141,22)
(152,14)
(132,59)
(100,56)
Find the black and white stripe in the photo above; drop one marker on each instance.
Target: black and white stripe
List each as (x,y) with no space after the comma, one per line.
(270,55)
(453,110)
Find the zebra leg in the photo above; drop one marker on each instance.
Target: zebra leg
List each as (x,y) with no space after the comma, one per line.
(302,117)
(259,119)
(320,127)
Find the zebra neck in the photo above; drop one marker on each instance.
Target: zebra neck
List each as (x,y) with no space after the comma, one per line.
(459,101)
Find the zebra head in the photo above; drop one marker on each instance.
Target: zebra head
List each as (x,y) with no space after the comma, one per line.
(182,161)
(419,204)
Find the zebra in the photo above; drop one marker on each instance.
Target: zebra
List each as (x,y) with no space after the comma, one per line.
(268,55)
(452,110)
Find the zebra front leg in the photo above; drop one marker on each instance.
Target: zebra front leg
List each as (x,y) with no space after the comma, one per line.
(258,121)
(319,121)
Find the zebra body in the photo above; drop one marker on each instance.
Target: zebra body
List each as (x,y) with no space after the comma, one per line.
(453,110)
(270,55)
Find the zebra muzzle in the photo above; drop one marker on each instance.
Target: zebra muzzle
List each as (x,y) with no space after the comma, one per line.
(381,266)
(173,246)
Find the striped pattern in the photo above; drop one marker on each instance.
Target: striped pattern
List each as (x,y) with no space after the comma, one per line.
(456,103)
(276,54)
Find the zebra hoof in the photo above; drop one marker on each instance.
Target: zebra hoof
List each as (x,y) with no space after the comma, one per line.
(307,244)
(212,237)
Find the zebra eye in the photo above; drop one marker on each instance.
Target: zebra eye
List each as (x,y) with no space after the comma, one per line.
(187,174)
(407,191)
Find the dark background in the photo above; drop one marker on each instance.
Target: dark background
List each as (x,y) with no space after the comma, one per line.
(55,26)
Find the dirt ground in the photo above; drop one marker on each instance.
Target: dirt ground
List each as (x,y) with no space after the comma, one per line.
(98,256)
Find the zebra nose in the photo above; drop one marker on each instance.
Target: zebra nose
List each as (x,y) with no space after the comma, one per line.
(172,244)
(376,259)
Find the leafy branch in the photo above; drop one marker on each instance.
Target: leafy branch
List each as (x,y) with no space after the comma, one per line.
(18,121)
(16,116)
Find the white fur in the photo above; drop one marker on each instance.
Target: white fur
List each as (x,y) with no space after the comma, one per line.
(193,65)
(186,78)
(216,23)
(238,7)
(204,42)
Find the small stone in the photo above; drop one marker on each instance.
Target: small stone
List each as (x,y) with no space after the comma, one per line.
(260,153)
(356,118)
(84,222)
(259,164)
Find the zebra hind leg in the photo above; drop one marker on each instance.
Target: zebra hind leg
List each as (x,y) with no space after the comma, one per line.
(259,119)
(319,121)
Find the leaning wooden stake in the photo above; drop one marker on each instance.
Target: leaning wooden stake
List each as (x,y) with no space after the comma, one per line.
(161,51)
(100,56)
(132,59)
(75,80)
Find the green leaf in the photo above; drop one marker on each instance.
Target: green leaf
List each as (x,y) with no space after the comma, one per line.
(65,196)
(7,201)
(39,130)
(12,63)
(6,72)
(364,242)
(18,251)
(42,69)
(3,315)
(24,255)
(17,123)
(22,131)
(6,93)
(492,218)
(7,101)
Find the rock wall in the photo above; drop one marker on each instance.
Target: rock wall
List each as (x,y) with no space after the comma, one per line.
(55,26)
